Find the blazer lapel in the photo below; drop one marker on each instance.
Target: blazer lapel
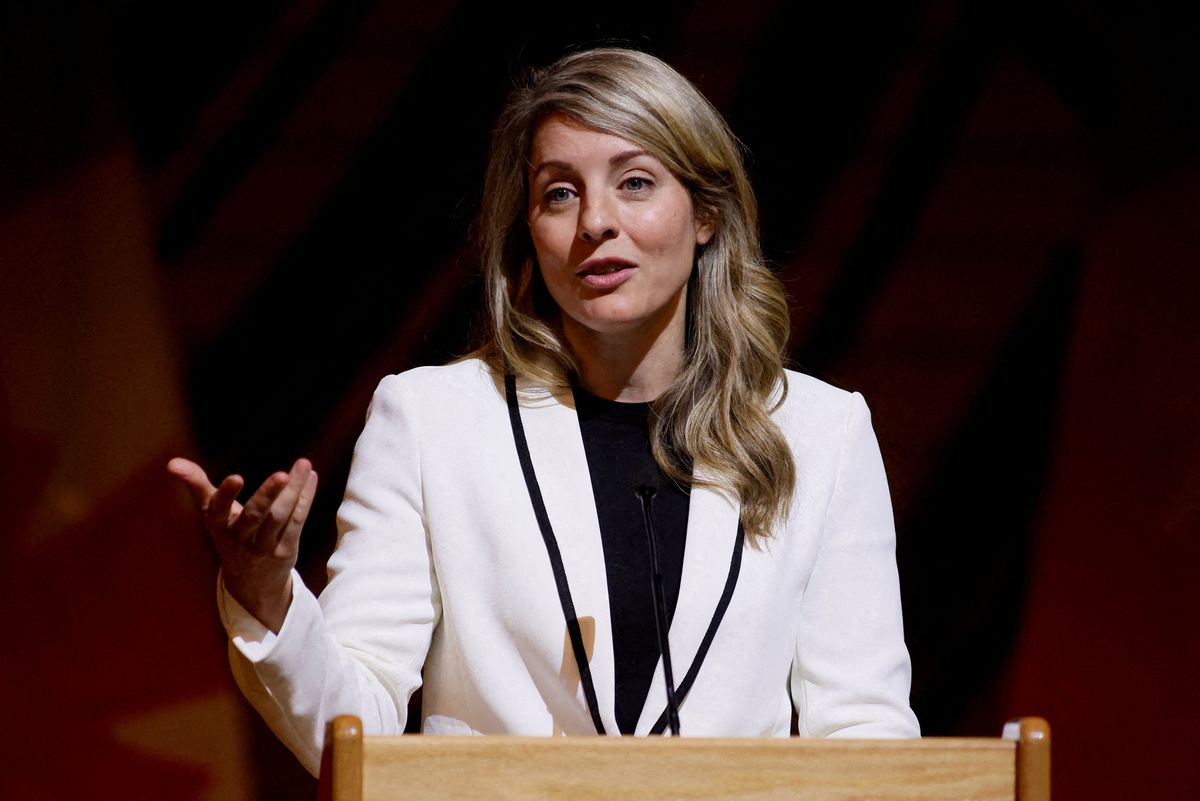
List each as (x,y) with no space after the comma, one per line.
(711,534)
(556,449)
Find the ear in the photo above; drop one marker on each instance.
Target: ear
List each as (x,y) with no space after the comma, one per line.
(706,225)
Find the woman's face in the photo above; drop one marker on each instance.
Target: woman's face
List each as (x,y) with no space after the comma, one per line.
(614,231)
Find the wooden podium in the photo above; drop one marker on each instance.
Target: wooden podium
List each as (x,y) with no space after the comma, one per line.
(418,768)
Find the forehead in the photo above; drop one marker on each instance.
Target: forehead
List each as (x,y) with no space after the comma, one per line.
(560,138)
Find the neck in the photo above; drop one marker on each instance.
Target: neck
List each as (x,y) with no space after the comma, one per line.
(634,366)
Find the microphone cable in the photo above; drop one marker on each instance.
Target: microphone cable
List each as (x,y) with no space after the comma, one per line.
(646,490)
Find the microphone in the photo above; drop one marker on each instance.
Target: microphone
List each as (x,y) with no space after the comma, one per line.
(646,487)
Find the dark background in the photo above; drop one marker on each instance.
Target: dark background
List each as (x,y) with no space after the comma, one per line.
(221,223)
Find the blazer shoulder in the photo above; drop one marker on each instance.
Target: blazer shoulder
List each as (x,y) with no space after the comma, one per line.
(805,386)
(431,384)
(814,399)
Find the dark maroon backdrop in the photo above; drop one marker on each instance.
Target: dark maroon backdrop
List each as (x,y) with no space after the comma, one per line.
(234,218)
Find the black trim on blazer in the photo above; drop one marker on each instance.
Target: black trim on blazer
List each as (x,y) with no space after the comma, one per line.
(735,567)
(564,590)
(560,573)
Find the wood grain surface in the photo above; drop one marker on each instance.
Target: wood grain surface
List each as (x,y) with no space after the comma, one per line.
(587,769)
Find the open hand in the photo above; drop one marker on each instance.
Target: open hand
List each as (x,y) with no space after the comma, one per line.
(257,543)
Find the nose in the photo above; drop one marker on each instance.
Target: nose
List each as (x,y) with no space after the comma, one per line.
(597,220)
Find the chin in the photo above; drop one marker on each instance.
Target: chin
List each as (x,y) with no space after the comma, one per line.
(611,320)
(610,326)
(618,314)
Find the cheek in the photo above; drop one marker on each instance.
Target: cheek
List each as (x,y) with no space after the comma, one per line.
(668,224)
(668,232)
(550,259)
(551,242)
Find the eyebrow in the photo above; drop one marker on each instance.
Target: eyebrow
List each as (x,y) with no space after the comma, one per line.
(616,160)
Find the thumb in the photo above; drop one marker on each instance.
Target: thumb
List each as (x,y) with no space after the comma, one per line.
(194,478)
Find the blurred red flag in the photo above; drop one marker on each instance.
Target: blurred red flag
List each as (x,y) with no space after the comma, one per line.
(114,662)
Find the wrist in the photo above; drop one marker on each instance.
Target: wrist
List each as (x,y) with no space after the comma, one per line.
(267,604)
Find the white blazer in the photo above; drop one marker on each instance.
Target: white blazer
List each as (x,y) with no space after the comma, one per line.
(441,575)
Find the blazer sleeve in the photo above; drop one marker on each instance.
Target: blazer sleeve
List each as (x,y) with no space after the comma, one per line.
(360,648)
(851,673)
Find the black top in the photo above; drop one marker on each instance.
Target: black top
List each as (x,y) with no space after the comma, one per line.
(616,439)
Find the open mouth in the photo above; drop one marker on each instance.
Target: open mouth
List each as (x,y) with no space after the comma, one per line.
(602,267)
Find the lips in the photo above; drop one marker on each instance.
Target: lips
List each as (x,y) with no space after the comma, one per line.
(605,273)
(603,266)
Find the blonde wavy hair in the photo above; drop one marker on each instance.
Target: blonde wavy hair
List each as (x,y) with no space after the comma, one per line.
(715,417)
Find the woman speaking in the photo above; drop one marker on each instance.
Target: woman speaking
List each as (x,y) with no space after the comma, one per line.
(621,514)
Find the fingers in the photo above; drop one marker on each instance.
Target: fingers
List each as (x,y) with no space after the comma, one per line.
(290,536)
(276,512)
(284,506)
(221,509)
(255,511)
(271,509)
(217,505)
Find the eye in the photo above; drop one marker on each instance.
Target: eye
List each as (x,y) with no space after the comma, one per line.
(558,194)
(636,183)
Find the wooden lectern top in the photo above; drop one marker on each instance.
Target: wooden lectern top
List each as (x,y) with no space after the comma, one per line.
(415,768)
